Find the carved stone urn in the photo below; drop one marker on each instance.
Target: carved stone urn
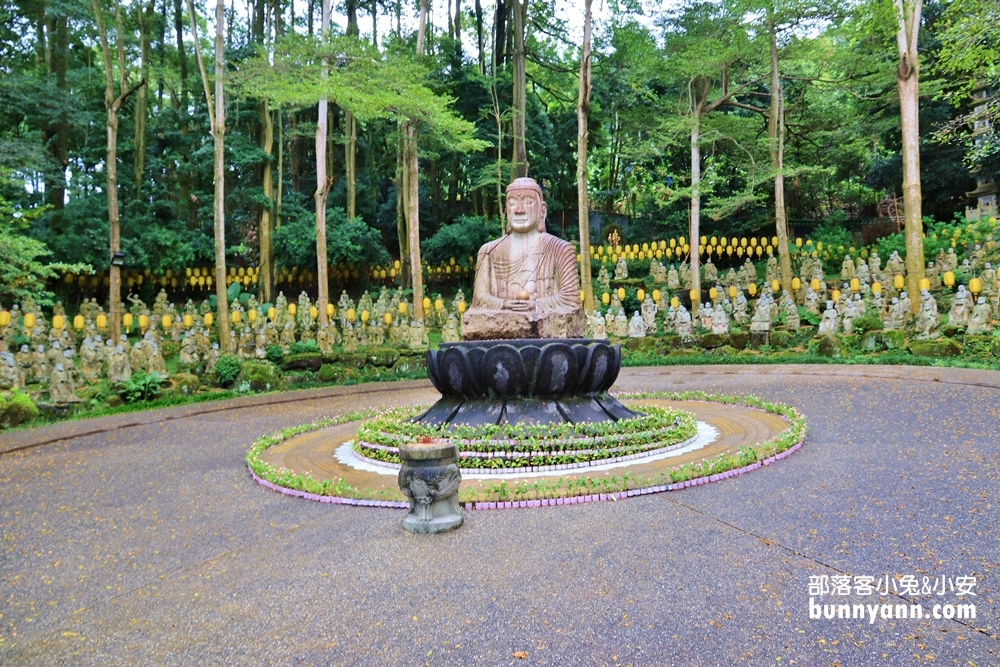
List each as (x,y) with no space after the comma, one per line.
(429,478)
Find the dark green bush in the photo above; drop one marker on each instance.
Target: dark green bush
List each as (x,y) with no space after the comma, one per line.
(326,373)
(275,354)
(227,369)
(303,346)
(868,322)
(16,408)
(141,387)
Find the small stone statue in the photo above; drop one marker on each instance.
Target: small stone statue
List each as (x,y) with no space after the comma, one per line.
(621,269)
(621,324)
(720,321)
(604,280)
(959,314)
(61,388)
(980,322)
(894,318)
(711,273)
(792,321)
(636,327)
(119,370)
(761,320)
(673,279)
(10,375)
(600,332)
(847,270)
(682,321)
(649,314)
(450,333)
(927,323)
(350,338)
(828,324)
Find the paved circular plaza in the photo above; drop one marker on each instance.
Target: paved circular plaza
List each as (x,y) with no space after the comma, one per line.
(142,539)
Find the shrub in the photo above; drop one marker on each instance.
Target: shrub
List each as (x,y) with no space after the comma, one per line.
(259,376)
(141,387)
(275,354)
(16,408)
(227,369)
(327,373)
(303,346)
(868,322)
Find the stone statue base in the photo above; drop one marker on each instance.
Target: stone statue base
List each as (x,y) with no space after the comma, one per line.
(506,324)
(547,381)
(429,478)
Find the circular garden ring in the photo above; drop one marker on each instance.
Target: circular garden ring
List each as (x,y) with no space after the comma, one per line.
(681,440)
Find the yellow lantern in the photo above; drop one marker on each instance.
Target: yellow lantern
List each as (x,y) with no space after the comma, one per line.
(925,283)
(5,318)
(461,307)
(102,321)
(835,295)
(713,241)
(330,310)
(29,321)
(713,293)
(640,295)
(656,295)
(814,283)
(166,321)
(605,298)
(621,293)
(732,291)
(78,322)
(58,322)
(272,313)
(774,240)
(313,312)
(438,305)
(235,317)
(402,308)
(693,294)
(208,319)
(127,320)
(752,287)
(753,242)
(188,320)
(201,281)
(291,309)
(876,288)
(208,281)
(252,315)
(426,303)
(948,278)
(855,285)
(759,250)
(187,271)
(898,282)
(673,243)
(350,314)
(796,283)
(365,315)
(775,286)
(798,242)
(675,302)
(583,296)
(975,286)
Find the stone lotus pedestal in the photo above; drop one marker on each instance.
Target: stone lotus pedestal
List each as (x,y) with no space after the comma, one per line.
(532,381)
(429,478)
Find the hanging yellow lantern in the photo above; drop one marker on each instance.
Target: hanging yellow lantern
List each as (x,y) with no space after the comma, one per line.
(78,322)
(102,321)
(605,298)
(402,308)
(350,314)
(313,312)
(713,240)
(5,318)
(753,242)
(752,287)
(855,285)
(640,295)
(713,293)
(166,321)
(583,296)
(693,295)
(975,286)
(58,322)
(876,288)
(835,295)
(252,315)
(925,283)
(774,240)
(426,303)
(188,320)
(796,283)
(948,278)
(898,281)
(461,307)
(656,295)
(235,317)
(673,243)
(127,320)
(330,310)
(29,321)
(621,293)
(775,286)
(438,305)
(365,315)
(291,309)
(675,302)
(208,319)
(814,283)
(759,250)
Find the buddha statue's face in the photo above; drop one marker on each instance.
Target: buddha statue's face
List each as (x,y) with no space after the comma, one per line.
(525,209)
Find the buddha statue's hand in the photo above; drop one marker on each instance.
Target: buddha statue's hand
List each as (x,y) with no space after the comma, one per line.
(519,305)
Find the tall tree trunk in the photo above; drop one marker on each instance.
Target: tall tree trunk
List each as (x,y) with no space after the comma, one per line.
(479,37)
(412,176)
(582,136)
(350,157)
(145,20)
(695,222)
(181,55)
(776,142)
(113,105)
(217,119)
(374,14)
(56,134)
(458,25)
(520,156)
(266,215)
(402,213)
(500,35)
(322,182)
(281,174)
(908,83)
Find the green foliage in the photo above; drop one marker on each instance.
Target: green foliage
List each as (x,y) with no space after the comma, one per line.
(16,408)
(346,241)
(870,321)
(326,373)
(259,376)
(141,387)
(303,347)
(274,353)
(227,369)
(461,239)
